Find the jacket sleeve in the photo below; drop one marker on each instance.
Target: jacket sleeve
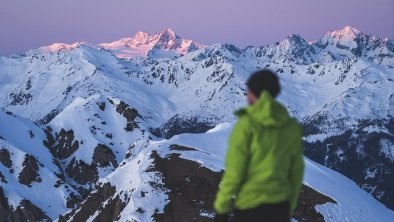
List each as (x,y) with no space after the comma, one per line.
(296,173)
(235,167)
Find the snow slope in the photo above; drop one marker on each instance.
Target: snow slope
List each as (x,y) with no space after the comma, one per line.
(100,116)
(208,149)
(21,138)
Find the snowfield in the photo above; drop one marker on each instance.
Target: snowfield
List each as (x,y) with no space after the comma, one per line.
(127,130)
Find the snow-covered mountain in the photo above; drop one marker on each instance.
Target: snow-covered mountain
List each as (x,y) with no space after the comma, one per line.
(164,44)
(96,162)
(113,131)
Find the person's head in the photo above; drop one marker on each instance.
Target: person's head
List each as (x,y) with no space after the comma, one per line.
(262,80)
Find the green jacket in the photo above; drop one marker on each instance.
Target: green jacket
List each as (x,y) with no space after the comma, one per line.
(264,161)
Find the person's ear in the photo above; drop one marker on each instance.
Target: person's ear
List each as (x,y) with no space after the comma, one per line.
(251,97)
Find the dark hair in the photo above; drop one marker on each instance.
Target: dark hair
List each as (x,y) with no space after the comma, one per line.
(264,80)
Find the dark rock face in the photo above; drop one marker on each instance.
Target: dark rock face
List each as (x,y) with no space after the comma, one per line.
(20,98)
(2,178)
(30,170)
(82,172)
(108,212)
(21,95)
(178,124)
(47,118)
(26,211)
(129,113)
(358,155)
(5,158)
(63,144)
(73,201)
(193,189)
(103,156)
(308,199)
(101,105)
(180,148)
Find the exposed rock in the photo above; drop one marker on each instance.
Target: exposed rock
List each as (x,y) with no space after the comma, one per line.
(193,189)
(50,140)
(178,124)
(82,172)
(358,154)
(30,170)
(181,148)
(50,116)
(308,199)
(101,105)
(63,144)
(129,113)
(103,156)
(20,98)
(192,186)
(26,211)
(5,158)
(94,203)
(72,201)
(2,178)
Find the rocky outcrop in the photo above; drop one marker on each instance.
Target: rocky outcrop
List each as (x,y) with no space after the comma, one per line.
(94,203)
(30,170)
(193,188)
(5,158)
(179,124)
(62,145)
(129,113)
(361,155)
(2,178)
(82,172)
(101,105)
(26,211)
(103,156)
(308,199)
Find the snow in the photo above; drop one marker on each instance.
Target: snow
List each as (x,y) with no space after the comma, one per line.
(387,148)
(163,75)
(17,140)
(136,182)
(353,203)
(158,45)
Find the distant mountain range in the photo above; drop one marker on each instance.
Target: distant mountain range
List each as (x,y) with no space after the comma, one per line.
(163,44)
(137,129)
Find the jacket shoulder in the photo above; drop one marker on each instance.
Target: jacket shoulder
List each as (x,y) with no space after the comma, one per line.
(240,112)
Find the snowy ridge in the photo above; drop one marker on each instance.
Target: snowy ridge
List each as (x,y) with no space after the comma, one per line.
(115,131)
(19,139)
(164,44)
(326,181)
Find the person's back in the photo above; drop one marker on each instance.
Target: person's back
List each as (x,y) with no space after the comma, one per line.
(264,163)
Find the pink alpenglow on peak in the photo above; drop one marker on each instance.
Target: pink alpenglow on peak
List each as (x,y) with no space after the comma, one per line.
(56,47)
(165,43)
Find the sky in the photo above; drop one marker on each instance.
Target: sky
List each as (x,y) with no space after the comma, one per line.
(30,24)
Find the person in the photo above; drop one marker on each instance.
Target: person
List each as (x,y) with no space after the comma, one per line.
(264,164)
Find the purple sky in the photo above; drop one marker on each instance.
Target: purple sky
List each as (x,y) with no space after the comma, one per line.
(30,24)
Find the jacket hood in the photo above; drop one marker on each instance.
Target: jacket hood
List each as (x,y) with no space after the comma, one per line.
(266,111)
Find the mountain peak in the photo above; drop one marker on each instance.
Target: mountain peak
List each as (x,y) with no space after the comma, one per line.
(56,47)
(169,31)
(351,29)
(347,33)
(141,37)
(165,44)
(295,38)
(167,35)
